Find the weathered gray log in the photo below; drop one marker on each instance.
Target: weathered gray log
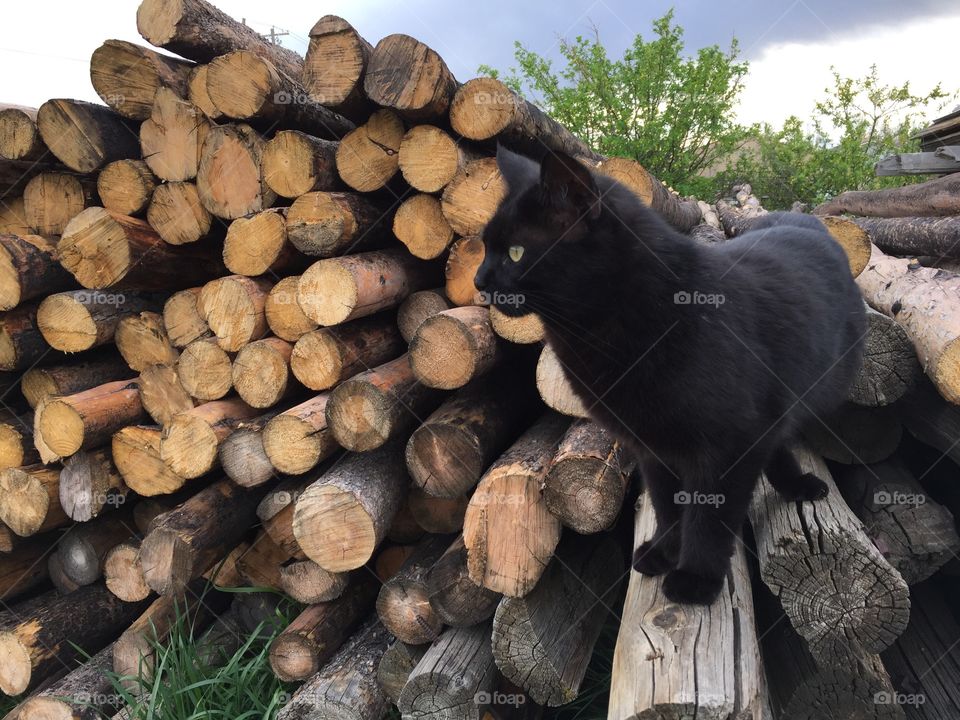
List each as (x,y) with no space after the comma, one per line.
(940,196)
(395,666)
(403,604)
(84,693)
(456,599)
(890,367)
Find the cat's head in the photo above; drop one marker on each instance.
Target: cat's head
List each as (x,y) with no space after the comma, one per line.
(537,243)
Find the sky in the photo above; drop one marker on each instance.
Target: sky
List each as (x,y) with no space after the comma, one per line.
(45,45)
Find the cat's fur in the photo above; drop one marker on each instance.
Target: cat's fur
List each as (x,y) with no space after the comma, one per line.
(706,395)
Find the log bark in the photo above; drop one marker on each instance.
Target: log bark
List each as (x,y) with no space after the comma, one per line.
(312,638)
(126,186)
(485,108)
(406,75)
(197,30)
(295,163)
(403,605)
(368,157)
(43,634)
(914,532)
(80,373)
(102,249)
(323,358)
(395,666)
(242,454)
(327,224)
(183,543)
(232,307)
(341,518)
(661,666)
(78,320)
(419,224)
(890,366)
(178,215)
(930,419)
(588,479)
(205,369)
(127,76)
(284,316)
(430,157)
(470,200)
(123,572)
(554,387)
(856,435)
(19,137)
(86,419)
(51,199)
(336,290)
(334,67)
(261,372)
(912,236)
(245,86)
(296,440)
(937,197)
(189,443)
(136,453)
(90,484)
(346,687)
(229,177)
(454,347)
(172,136)
(463,261)
(508,503)
(543,642)
(523,330)
(839,592)
(162,394)
(83,550)
(21,342)
(418,307)
(453,596)
(453,676)
(142,341)
(182,320)
(85,136)
(374,406)
(25,569)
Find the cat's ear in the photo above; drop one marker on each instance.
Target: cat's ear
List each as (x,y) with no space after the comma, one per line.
(565,182)
(518,171)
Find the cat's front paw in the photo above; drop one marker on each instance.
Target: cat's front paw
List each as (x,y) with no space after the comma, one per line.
(810,487)
(651,559)
(683,586)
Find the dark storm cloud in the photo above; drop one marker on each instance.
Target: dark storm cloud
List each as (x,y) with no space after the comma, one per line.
(467,34)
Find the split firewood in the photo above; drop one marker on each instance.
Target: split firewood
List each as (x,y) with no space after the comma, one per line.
(470,200)
(46,632)
(136,453)
(523,330)
(437,515)
(555,389)
(19,137)
(78,320)
(374,406)
(242,455)
(334,67)
(430,158)
(197,30)
(296,440)
(86,419)
(313,637)
(25,569)
(183,544)
(453,596)
(102,249)
(914,532)
(123,572)
(127,76)
(456,672)
(326,224)
(930,419)
(85,136)
(177,214)
(403,605)
(258,244)
(406,75)
(229,177)
(544,641)
(82,550)
(162,394)
(295,163)
(21,342)
(368,157)
(417,308)
(308,583)
(340,519)
(346,686)
(205,369)
(80,373)
(232,307)
(453,347)
(324,358)
(142,341)
(261,372)
(16,440)
(51,199)
(936,197)
(247,86)
(839,592)
(681,214)
(182,320)
(509,496)
(90,484)
(856,435)
(284,315)
(662,667)
(172,136)
(890,366)
(395,666)
(190,441)
(126,186)
(463,261)
(588,479)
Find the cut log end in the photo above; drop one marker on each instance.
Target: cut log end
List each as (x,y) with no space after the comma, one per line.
(338,298)
(523,330)
(16,668)
(205,370)
(167,561)
(362,418)
(293,657)
(189,446)
(452,347)
(854,241)
(348,537)
(61,427)
(482,108)
(368,157)
(293,445)
(26,502)
(94,249)
(66,323)
(123,573)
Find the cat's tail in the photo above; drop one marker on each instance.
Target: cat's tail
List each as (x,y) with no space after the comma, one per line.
(789,479)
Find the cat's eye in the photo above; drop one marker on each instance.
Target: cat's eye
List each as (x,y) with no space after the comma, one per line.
(515,252)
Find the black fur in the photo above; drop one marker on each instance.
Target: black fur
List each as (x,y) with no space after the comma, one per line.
(707,393)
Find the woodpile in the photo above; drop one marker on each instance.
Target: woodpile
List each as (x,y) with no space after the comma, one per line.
(240,342)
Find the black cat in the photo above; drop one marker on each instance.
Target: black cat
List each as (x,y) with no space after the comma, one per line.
(706,361)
